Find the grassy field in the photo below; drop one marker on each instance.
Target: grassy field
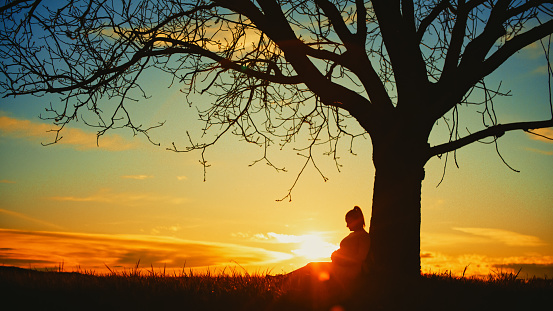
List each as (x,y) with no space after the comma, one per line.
(151,289)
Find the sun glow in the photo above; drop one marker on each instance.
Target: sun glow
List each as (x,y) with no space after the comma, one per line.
(310,246)
(314,247)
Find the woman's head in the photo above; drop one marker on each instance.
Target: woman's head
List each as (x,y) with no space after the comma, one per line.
(355,219)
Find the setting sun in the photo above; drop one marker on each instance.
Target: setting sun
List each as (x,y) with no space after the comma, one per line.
(314,247)
(311,246)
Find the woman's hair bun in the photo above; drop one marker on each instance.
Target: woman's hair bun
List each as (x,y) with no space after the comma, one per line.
(356,213)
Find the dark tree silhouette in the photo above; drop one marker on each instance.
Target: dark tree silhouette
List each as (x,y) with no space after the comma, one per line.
(278,68)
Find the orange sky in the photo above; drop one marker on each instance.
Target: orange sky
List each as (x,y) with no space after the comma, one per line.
(126,200)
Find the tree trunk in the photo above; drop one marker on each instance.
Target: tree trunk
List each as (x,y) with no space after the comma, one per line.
(396,211)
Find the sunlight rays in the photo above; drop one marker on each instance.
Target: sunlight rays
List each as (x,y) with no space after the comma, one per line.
(314,247)
(311,246)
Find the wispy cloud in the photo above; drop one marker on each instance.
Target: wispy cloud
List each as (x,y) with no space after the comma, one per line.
(171,229)
(540,151)
(123,198)
(541,70)
(5,181)
(92,251)
(219,39)
(508,238)
(533,51)
(29,219)
(76,138)
(455,250)
(542,134)
(182,178)
(138,177)
(482,265)
(439,240)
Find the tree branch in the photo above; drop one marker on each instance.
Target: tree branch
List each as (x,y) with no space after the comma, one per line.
(525,7)
(335,18)
(456,42)
(459,79)
(355,59)
(477,49)
(427,21)
(278,77)
(403,49)
(408,13)
(279,30)
(495,131)
(16,2)
(361,22)
(516,44)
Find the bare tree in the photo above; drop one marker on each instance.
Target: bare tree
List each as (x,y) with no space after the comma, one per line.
(278,68)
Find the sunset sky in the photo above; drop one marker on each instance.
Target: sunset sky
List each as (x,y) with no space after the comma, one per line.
(127,200)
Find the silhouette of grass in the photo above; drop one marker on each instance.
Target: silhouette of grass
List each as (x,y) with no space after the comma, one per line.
(137,289)
(151,289)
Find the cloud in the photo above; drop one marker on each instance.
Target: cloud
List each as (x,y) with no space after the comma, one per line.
(123,198)
(182,178)
(171,229)
(93,251)
(29,219)
(483,266)
(528,270)
(219,36)
(5,181)
(533,51)
(541,70)
(439,240)
(447,252)
(540,151)
(508,238)
(547,132)
(279,238)
(40,249)
(138,177)
(427,255)
(76,138)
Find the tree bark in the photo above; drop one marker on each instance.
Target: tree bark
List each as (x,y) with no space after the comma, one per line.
(396,211)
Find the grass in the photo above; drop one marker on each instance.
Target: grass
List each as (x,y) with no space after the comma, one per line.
(136,289)
(150,289)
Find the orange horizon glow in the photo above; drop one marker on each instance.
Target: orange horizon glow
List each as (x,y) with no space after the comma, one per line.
(102,254)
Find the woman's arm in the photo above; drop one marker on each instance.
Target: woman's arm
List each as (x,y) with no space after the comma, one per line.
(342,258)
(353,250)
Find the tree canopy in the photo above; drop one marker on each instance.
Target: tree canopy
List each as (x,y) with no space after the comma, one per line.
(276,67)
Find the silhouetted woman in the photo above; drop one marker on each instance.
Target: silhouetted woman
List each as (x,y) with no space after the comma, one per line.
(355,247)
(348,262)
